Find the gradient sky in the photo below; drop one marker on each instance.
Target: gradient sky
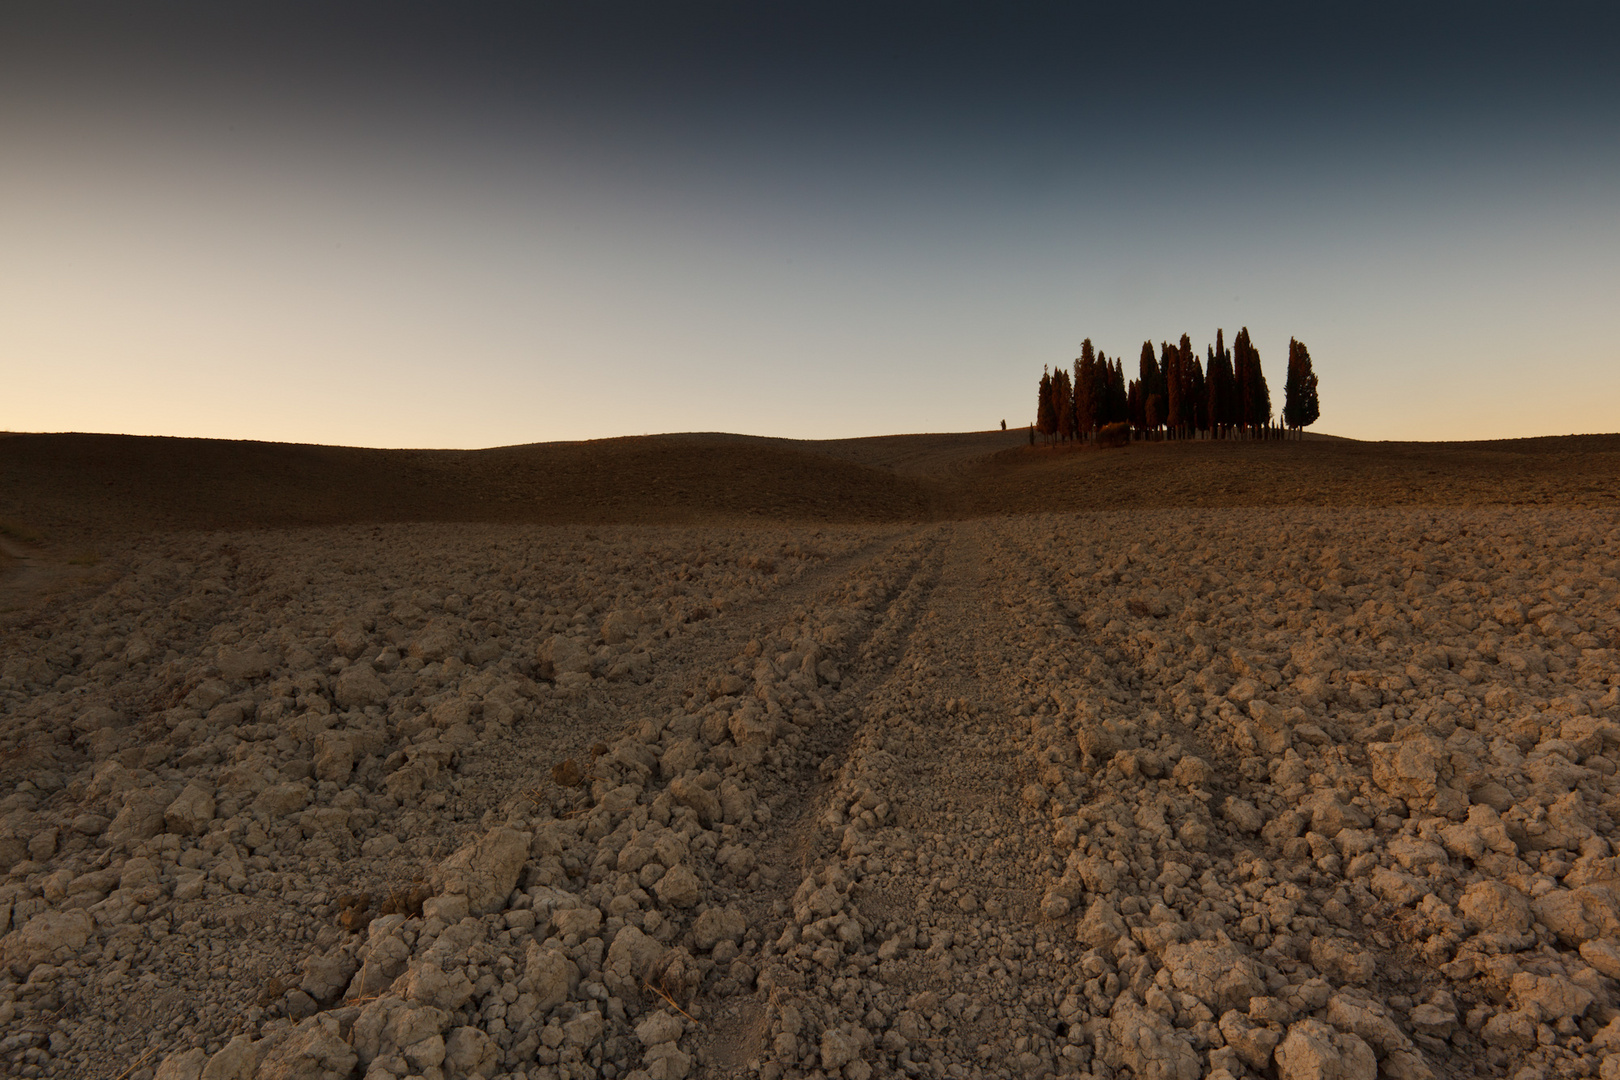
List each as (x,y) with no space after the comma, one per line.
(405,224)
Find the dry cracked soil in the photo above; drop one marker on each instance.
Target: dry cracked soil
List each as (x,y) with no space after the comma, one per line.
(1167,791)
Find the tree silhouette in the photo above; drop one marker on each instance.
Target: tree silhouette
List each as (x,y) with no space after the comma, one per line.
(1152,412)
(1254,398)
(1197,392)
(1086,396)
(1300,405)
(1151,381)
(1045,418)
(1062,402)
(1242,378)
(1170,365)
(1118,405)
(1221,389)
(1183,408)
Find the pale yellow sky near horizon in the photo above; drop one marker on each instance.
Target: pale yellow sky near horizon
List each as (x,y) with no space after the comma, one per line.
(243,309)
(330,258)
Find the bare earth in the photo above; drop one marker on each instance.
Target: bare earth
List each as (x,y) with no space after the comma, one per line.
(924,756)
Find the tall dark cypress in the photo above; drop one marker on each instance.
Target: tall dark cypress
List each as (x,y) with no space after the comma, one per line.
(1242,377)
(1174,389)
(1062,402)
(1222,389)
(1085,390)
(1253,394)
(1147,384)
(1045,419)
(1197,392)
(1300,405)
(1116,389)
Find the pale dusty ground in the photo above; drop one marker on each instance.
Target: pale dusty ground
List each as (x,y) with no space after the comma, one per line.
(1175,793)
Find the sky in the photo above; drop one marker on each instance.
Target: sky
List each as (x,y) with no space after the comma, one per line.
(431,225)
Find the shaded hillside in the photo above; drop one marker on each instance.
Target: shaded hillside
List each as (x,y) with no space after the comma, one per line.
(1577,470)
(115,482)
(930,456)
(98,484)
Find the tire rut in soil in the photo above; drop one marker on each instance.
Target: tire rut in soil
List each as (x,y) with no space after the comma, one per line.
(933,757)
(798,790)
(577,722)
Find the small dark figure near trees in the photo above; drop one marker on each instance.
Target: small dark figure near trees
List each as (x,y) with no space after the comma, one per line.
(1004,425)
(1300,406)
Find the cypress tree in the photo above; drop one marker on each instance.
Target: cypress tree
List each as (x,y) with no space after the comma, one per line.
(1062,402)
(1111,412)
(1222,389)
(1045,420)
(1121,408)
(1254,397)
(1104,391)
(1242,379)
(1177,408)
(1170,363)
(1212,413)
(1300,405)
(1148,379)
(1197,392)
(1085,390)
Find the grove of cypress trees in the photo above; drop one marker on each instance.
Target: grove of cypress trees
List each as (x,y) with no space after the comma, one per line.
(1175,396)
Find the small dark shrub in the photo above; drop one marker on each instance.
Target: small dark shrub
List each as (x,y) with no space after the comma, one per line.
(1113,435)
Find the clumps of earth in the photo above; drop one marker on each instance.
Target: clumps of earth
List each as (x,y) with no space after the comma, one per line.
(1170,795)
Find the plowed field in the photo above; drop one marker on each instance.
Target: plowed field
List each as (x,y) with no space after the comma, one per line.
(1293,760)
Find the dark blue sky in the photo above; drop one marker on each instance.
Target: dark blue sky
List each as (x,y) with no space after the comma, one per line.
(809,220)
